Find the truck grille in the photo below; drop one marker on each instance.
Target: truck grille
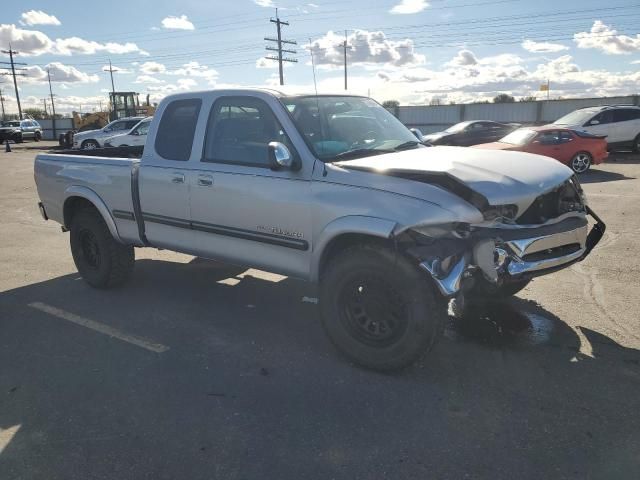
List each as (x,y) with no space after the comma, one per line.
(564,199)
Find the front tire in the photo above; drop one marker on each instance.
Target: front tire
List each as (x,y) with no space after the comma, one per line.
(378,309)
(18,138)
(89,145)
(99,258)
(581,162)
(636,144)
(37,137)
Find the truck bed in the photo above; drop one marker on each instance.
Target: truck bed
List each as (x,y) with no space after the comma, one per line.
(61,176)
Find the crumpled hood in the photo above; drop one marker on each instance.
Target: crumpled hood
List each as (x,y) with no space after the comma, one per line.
(502,177)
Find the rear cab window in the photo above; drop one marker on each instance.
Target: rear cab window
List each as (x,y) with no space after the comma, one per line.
(174,138)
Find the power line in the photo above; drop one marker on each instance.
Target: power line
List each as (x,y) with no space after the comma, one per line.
(279,49)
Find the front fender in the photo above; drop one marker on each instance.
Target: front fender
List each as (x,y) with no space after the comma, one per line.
(352,224)
(94,198)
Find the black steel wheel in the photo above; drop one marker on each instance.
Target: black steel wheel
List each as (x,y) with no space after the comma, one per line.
(378,308)
(99,258)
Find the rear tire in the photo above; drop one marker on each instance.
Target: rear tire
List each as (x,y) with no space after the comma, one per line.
(99,258)
(636,144)
(378,309)
(38,137)
(581,162)
(18,138)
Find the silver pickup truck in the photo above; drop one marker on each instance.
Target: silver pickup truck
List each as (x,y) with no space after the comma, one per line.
(332,189)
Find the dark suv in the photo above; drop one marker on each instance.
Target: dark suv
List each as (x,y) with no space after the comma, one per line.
(20,130)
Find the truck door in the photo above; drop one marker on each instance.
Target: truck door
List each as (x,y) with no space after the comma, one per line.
(241,210)
(164,177)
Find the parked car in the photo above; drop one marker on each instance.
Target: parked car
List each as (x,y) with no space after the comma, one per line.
(20,130)
(576,149)
(134,137)
(620,124)
(330,189)
(474,132)
(92,139)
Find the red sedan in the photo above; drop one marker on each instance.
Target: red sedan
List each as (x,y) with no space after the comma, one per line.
(577,150)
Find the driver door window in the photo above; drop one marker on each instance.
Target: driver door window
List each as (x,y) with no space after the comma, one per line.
(239,132)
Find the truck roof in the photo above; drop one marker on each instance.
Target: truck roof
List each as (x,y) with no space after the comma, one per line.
(272,91)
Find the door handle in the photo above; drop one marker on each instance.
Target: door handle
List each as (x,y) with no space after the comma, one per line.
(205,180)
(177,178)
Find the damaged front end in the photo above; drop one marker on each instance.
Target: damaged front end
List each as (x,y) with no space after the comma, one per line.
(551,234)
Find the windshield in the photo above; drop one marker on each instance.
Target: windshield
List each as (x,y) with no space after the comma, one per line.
(347,127)
(10,124)
(522,136)
(458,127)
(142,128)
(579,117)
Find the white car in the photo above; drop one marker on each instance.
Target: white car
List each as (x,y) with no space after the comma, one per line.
(620,123)
(133,138)
(92,139)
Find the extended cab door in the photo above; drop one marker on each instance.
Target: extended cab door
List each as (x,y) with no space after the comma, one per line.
(164,176)
(242,211)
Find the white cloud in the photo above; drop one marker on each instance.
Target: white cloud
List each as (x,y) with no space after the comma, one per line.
(264,3)
(76,45)
(463,58)
(177,23)
(146,79)
(59,73)
(195,69)
(25,41)
(38,17)
(409,6)
(33,43)
(364,47)
(152,67)
(543,47)
(115,69)
(606,39)
(635,62)
(186,83)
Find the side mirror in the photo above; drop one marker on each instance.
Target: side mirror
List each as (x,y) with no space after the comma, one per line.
(594,122)
(135,132)
(417,133)
(280,157)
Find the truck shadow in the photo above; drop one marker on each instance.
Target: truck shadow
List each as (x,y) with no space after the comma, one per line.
(251,388)
(597,175)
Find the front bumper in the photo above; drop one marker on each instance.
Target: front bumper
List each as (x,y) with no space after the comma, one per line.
(517,258)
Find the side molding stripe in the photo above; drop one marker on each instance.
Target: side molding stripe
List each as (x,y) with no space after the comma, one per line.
(272,239)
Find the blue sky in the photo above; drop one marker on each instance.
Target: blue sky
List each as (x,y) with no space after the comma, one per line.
(415,51)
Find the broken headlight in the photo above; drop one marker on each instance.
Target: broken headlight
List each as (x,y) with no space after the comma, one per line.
(500,212)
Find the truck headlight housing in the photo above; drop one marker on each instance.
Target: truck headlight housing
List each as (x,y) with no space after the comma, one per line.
(496,212)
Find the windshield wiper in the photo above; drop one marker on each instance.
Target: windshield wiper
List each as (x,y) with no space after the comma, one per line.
(409,144)
(357,153)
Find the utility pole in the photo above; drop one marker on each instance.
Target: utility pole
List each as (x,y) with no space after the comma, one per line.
(344,45)
(53,107)
(113,90)
(2,103)
(11,53)
(44,101)
(279,48)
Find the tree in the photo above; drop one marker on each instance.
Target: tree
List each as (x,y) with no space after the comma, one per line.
(36,113)
(503,98)
(435,101)
(528,99)
(391,104)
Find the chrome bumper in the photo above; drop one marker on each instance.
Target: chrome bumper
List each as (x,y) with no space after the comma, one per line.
(514,259)
(519,250)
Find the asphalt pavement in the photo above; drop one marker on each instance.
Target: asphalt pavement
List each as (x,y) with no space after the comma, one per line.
(198,370)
